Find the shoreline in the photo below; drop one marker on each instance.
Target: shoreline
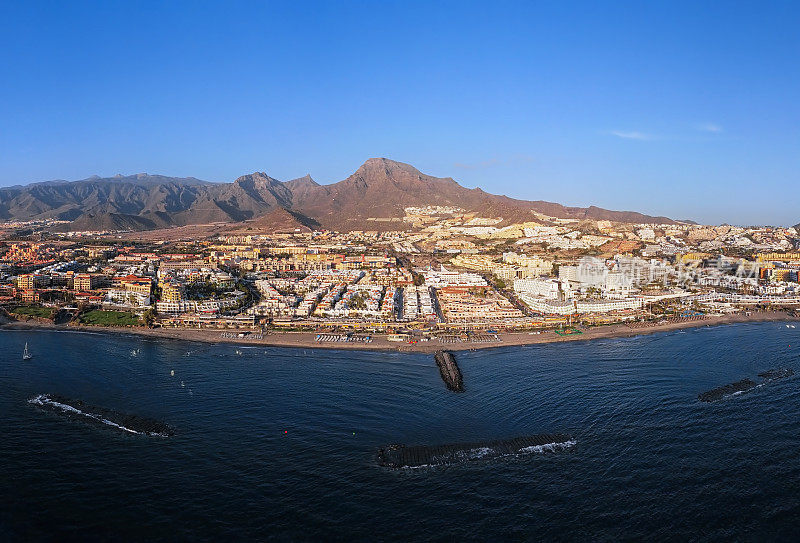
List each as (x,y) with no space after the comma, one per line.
(306,340)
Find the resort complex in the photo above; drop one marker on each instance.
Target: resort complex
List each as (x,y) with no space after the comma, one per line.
(446,272)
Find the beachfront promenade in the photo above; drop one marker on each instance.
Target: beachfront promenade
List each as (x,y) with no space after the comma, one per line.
(382,342)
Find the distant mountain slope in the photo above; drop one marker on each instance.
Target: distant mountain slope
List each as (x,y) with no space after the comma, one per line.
(380,188)
(110,221)
(281,220)
(158,196)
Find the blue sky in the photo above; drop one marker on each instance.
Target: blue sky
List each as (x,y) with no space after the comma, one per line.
(686,109)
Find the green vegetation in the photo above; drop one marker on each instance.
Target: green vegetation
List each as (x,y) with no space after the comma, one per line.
(99,317)
(203,291)
(149,317)
(34,311)
(357,301)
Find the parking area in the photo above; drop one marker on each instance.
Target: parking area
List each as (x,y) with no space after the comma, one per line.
(471,338)
(342,338)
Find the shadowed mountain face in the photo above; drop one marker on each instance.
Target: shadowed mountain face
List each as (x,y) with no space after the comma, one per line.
(380,188)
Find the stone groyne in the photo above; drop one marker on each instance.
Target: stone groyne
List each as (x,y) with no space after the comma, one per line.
(448,368)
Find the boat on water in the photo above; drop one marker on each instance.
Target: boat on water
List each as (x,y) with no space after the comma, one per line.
(25,354)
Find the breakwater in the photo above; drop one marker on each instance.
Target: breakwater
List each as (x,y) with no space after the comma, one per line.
(79,410)
(744,385)
(448,369)
(401,456)
(778,373)
(726,390)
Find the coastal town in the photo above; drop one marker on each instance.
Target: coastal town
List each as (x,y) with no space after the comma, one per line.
(440,274)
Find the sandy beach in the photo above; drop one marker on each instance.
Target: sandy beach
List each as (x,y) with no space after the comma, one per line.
(381,343)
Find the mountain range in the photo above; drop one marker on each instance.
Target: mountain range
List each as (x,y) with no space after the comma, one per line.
(380,188)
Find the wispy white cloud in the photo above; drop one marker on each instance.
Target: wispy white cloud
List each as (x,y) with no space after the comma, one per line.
(709,127)
(631,135)
(705,127)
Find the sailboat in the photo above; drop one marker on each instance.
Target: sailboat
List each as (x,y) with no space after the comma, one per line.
(25,354)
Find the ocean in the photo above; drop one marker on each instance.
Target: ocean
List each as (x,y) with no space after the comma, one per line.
(280,444)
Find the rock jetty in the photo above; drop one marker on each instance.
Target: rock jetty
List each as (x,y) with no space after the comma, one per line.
(449,371)
(777,373)
(401,456)
(744,385)
(81,411)
(720,392)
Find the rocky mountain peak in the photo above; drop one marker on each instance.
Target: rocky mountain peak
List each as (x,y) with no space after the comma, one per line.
(379,189)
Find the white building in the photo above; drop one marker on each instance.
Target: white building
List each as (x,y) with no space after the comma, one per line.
(546,306)
(607,306)
(127,298)
(447,278)
(544,288)
(568,273)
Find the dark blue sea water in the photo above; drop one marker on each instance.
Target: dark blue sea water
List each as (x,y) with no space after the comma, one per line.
(280,443)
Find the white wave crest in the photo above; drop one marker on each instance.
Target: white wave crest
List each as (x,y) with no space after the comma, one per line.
(490,453)
(549,447)
(479,452)
(44,400)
